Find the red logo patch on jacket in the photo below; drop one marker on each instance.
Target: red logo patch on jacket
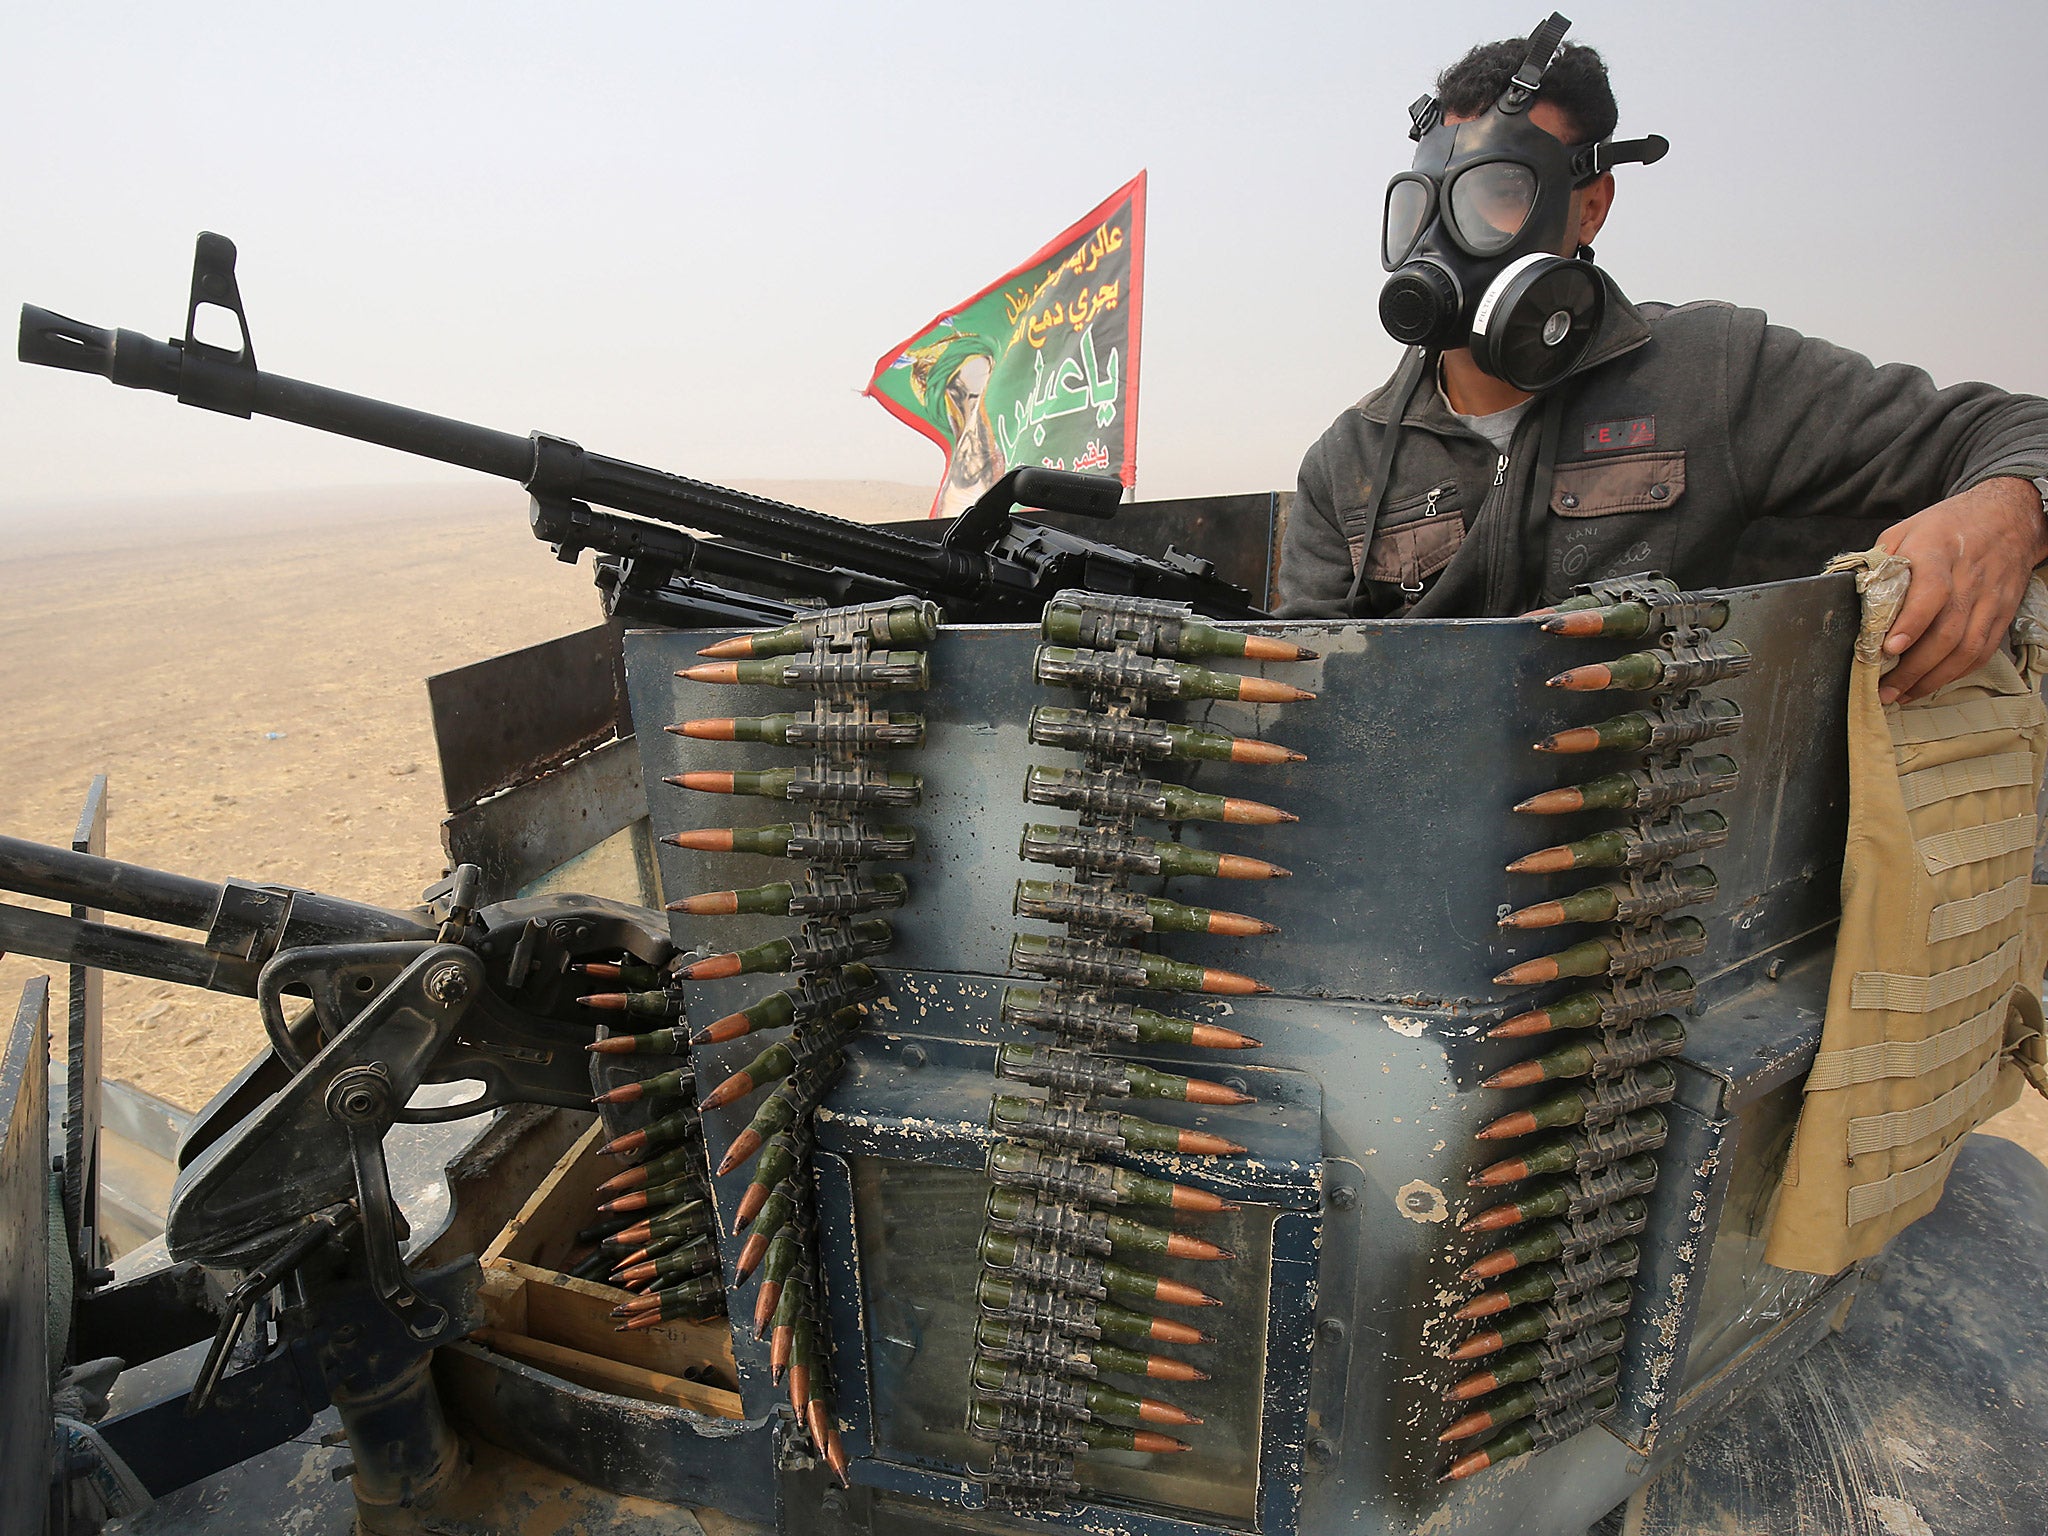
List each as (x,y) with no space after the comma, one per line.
(1607,436)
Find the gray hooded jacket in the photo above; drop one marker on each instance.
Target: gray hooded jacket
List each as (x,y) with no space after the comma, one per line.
(1683,425)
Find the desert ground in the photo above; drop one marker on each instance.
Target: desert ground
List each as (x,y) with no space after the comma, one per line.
(250,675)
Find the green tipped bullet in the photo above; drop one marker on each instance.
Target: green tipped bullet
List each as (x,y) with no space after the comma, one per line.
(1535,1398)
(1049,1009)
(1538,1362)
(1607,1008)
(794,1098)
(1065,959)
(1122,794)
(1093,627)
(891,621)
(681,1163)
(688,1220)
(1632,951)
(1126,853)
(1667,725)
(660,1197)
(1101,906)
(812,897)
(636,1005)
(678,1266)
(783,1253)
(1661,1036)
(864,787)
(853,984)
(633,975)
(1123,1283)
(1643,670)
(784,1153)
(1542,1282)
(1630,847)
(1100,1131)
(1100,1232)
(1684,886)
(1639,789)
(862,939)
(880,672)
(1651,1084)
(1017,1425)
(1022,1383)
(884,731)
(1081,1315)
(771,1066)
(1020,1167)
(1643,1131)
(1048,1066)
(825,842)
(1073,1356)
(1588,618)
(1063,667)
(665,1132)
(757,900)
(1525,1437)
(662,1042)
(1559,1240)
(679,1082)
(1077,730)
(1566,1197)
(1537,1324)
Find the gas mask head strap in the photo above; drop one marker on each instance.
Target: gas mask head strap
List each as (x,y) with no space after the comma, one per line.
(1592,161)
(1544,43)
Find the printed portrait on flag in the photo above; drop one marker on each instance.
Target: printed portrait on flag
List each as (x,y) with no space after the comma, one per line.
(1040,367)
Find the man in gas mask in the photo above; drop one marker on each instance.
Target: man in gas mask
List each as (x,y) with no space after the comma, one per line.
(1543,431)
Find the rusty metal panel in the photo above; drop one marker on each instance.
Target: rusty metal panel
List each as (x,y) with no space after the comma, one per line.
(82,1058)
(517,837)
(25,1262)
(500,722)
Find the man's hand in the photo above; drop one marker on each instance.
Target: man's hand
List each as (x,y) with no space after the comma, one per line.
(1972,555)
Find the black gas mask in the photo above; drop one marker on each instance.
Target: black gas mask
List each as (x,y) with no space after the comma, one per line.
(1471,233)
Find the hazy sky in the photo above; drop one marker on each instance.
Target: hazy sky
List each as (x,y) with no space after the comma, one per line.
(683,233)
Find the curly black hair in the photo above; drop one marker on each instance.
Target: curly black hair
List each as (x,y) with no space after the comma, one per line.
(1576,84)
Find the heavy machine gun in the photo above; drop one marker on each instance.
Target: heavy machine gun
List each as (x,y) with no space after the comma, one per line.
(766,558)
(284,1184)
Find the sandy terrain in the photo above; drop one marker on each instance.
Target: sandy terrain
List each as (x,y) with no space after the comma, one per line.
(250,675)
(251,678)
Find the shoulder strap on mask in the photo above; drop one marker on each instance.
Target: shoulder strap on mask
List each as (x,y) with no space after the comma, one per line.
(1543,45)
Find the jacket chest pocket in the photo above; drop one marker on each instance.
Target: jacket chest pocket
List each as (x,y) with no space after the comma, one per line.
(1611,516)
(1416,537)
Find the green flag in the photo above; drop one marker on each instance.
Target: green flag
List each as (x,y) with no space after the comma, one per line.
(1040,367)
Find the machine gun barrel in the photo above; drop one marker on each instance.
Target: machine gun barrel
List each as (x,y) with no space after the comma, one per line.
(545,465)
(988,565)
(240,920)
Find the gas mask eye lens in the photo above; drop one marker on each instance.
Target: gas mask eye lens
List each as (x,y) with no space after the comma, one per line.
(1408,203)
(1490,203)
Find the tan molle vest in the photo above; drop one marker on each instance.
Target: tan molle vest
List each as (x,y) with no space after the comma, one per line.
(1934,1009)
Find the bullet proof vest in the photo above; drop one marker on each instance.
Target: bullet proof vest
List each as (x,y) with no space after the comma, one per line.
(1934,1009)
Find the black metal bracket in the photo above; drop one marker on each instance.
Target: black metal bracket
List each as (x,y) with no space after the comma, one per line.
(213,377)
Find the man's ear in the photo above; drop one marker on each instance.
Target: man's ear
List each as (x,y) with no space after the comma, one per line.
(1591,203)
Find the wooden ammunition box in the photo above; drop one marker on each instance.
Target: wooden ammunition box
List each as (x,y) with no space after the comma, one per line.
(563,1326)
